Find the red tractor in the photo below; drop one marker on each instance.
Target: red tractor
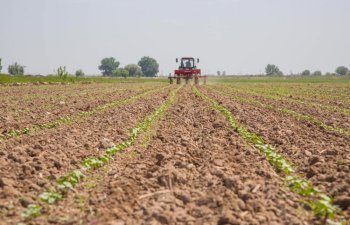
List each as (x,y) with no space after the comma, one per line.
(187,70)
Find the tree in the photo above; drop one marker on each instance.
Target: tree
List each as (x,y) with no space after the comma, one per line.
(62,73)
(149,66)
(0,65)
(108,65)
(139,73)
(306,73)
(223,73)
(218,73)
(120,72)
(134,70)
(16,69)
(273,70)
(317,73)
(79,73)
(342,70)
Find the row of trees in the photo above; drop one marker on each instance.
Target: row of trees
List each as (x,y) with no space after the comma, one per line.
(147,66)
(273,70)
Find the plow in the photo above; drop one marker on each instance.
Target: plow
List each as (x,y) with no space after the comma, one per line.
(188,71)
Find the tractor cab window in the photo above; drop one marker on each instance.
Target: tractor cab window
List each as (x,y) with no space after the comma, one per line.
(187,64)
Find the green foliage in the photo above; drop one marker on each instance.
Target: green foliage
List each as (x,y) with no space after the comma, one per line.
(50,197)
(301,186)
(324,207)
(342,70)
(0,65)
(317,73)
(31,211)
(273,70)
(62,73)
(149,66)
(120,72)
(134,70)
(16,69)
(92,163)
(69,181)
(306,73)
(79,73)
(108,65)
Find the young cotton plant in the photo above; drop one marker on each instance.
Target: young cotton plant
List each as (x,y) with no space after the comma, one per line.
(301,186)
(50,197)
(31,211)
(69,181)
(324,207)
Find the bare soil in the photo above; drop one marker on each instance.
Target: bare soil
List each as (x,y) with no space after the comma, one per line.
(18,113)
(30,164)
(196,170)
(320,156)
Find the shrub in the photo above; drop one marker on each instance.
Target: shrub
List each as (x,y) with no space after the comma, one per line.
(79,73)
(273,70)
(16,69)
(342,70)
(306,73)
(62,73)
(317,73)
(121,72)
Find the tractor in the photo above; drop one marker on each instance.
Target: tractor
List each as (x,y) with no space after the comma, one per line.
(187,70)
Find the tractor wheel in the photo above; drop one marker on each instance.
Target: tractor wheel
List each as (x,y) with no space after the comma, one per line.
(178,80)
(196,81)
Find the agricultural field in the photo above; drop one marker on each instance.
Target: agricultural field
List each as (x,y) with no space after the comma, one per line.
(234,151)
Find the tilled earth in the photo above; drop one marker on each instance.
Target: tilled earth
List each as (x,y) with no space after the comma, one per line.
(322,157)
(22,110)
(191,168)
(196,170)
(30,164)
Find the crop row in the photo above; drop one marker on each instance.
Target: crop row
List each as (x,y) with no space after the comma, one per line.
(75,118)
(70,180)
(312,95)
(295,115)
(320,204)
(309,103)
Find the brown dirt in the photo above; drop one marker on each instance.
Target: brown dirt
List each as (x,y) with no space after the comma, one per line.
(320,156)
(18,113)
(334,119)
(30,164)
(329,94)
(196,170)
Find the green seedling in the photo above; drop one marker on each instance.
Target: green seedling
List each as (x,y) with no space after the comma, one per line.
(32,211)
(324,207)
(50,197)
(301,186)
(69,181)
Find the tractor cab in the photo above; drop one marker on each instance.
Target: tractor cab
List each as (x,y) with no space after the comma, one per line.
(187,63)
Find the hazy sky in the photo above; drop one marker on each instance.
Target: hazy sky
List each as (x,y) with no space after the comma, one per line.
(239,36)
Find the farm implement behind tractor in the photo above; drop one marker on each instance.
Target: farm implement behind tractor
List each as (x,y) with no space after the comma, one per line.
(187,70)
